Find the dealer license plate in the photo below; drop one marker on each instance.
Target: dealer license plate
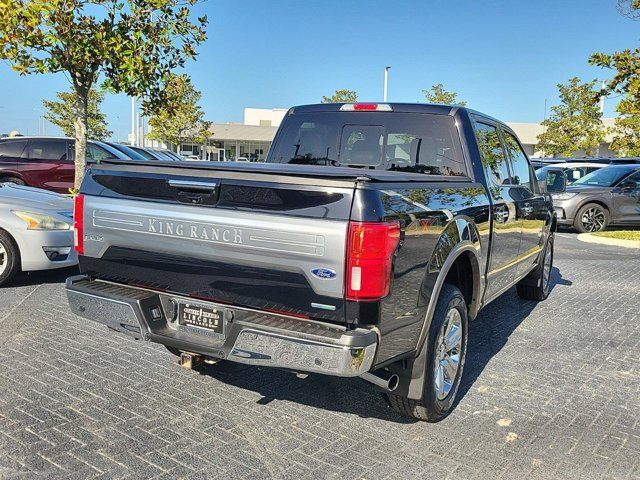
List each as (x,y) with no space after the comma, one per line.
(198,316)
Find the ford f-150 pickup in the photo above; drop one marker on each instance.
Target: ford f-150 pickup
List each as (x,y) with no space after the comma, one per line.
(362,247)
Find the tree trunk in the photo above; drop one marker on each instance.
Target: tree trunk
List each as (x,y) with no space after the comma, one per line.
(81,124)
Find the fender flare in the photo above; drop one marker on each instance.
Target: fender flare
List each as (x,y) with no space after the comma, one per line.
(412,377)
(478,286)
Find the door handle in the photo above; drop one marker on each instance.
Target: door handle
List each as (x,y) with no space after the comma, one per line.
(193,185)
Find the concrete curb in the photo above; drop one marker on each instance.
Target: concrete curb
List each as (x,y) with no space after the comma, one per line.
(618,242)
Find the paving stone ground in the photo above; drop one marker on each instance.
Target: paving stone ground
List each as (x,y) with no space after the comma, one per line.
(550,390)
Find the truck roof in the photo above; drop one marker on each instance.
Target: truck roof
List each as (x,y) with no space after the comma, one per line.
(395,107)
(432,108)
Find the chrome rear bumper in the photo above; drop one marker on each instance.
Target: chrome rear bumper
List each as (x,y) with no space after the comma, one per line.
(250,336)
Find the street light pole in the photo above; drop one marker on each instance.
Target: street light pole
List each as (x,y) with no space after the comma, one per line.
(386,82)
(133,120)
(41,129)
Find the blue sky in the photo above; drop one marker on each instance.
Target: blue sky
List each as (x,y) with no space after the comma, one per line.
(503,57)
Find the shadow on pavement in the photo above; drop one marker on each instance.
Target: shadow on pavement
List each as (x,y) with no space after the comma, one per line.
(24,279)
(487,335)
(346,395)
(491,330)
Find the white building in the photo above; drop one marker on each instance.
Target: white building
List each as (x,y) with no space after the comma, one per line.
(528,135)
(264,117)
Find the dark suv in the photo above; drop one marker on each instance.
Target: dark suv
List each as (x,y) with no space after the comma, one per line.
(46,162)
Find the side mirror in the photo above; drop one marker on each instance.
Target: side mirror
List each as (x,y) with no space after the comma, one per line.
(554,180)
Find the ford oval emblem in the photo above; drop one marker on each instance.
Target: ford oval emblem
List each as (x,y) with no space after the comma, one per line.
(323,273)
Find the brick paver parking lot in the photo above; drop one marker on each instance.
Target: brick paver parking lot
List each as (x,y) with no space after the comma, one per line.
(551,390)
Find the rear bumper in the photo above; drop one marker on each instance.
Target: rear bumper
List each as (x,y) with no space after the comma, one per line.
(250,336)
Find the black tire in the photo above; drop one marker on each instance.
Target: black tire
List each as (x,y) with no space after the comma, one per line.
(537,285)
(15,180)
(431,408)
(591,210)
(9,258)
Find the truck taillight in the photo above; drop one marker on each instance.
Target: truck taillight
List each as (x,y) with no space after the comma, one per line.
(78,223)
(370,249)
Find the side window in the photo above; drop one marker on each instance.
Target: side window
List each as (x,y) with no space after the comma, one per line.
(575,173)
(493,157)
(519,162)
(48,150)
(12,148)
(635,178)
(96,153)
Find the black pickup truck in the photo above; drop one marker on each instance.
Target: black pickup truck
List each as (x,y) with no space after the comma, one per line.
(362,247)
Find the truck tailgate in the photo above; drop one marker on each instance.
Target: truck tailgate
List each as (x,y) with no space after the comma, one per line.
(252,240)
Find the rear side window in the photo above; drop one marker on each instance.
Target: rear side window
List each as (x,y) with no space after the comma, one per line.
(51,150)
(493,157)
(416,143)
(12,148)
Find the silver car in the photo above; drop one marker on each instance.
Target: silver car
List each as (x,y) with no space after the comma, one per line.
(36,230)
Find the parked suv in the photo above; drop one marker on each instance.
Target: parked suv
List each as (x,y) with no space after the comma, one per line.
(46,162)
(608,196)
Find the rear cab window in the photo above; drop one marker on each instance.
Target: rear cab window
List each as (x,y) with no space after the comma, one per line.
(404,142)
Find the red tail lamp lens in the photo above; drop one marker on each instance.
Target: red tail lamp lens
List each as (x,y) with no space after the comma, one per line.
(78,224)
(370,250)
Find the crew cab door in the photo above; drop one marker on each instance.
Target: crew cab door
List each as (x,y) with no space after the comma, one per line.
(506,225)
(531,207)
(626,200)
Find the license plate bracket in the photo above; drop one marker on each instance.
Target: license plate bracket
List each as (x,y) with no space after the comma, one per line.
(201,316)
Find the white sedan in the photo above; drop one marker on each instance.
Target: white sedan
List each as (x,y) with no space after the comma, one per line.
(36,230)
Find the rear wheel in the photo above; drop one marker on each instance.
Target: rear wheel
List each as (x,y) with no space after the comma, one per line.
(14,180)
(537,285)
(591,217)
(9,258)
(446,350)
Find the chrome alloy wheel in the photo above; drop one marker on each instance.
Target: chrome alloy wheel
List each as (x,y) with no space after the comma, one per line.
(4,260)
(448,350)
(593,219)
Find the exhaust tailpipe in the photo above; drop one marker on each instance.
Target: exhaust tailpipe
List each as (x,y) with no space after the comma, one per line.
(383,379)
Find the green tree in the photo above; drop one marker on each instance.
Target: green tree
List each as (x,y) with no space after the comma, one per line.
(626,82)
(341,96)
(131,45)
(181,119)
(626,130)
(63,113)
(437,94)
(575,124)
